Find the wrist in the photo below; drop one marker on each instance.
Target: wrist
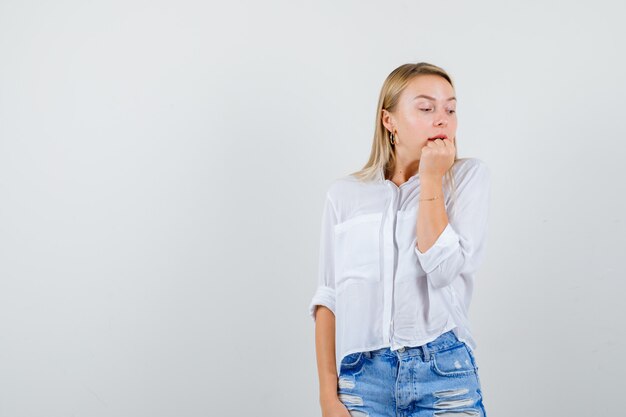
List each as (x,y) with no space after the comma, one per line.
(431,179)
(326,397)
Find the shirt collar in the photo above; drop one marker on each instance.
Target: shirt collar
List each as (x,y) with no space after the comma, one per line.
(381,176)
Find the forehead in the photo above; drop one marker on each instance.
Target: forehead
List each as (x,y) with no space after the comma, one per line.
(430,85)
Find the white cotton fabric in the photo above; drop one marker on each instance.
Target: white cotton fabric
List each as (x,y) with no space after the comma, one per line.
(381,289)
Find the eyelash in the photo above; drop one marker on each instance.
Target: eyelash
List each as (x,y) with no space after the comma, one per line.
(451,111)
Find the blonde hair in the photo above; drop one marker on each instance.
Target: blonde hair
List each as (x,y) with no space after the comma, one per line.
(382,155)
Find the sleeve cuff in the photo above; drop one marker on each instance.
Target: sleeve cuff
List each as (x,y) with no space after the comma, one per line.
(446,244)
(323,296)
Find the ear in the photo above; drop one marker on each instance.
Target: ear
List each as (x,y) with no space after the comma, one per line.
(388,121)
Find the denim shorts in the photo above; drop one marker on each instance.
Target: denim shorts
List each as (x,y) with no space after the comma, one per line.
(438,379)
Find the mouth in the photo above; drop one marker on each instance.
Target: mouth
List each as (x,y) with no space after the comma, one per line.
(438,137)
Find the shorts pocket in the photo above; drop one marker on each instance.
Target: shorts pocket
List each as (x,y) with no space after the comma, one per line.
(454,362)
(352,361)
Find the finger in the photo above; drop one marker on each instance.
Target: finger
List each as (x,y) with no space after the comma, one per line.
(452,142)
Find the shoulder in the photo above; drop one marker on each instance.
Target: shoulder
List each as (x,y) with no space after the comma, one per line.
(350,195)
(347,186)
(470,168)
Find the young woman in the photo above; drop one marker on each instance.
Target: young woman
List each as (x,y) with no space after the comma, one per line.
(401,242)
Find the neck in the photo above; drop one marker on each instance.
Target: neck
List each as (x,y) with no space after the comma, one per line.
(404,171)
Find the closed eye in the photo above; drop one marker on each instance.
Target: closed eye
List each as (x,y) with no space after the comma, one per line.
(451,111)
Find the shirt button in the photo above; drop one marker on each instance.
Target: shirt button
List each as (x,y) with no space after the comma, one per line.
(401,349)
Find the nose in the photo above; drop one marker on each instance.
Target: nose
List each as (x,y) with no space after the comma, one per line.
(442,120)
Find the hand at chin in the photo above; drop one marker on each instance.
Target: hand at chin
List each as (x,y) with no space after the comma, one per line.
(437,157)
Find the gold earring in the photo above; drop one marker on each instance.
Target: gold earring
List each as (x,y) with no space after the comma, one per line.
(391,138)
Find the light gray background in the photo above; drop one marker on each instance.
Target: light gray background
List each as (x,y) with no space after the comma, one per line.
(162,172)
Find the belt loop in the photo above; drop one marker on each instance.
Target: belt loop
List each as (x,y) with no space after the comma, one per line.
(426,353)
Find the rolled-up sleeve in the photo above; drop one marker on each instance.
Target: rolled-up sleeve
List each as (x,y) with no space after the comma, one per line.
(460,248)
(325,292)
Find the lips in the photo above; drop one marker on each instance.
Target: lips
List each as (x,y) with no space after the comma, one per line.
(438,137)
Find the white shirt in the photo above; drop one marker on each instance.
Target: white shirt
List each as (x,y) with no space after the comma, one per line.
(382,290)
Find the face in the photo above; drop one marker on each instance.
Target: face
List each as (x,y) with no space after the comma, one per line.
(418,118)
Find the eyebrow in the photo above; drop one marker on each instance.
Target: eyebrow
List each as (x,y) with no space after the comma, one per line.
(431,98)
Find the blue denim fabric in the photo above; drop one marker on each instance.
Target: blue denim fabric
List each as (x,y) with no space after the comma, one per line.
(438,379)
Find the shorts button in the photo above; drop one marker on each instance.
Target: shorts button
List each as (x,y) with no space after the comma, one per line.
(401,349)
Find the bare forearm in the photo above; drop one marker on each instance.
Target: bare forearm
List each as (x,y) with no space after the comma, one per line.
(432,218)
(325,351)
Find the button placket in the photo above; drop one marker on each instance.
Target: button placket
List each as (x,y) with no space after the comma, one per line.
(387,263)
(393,211)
